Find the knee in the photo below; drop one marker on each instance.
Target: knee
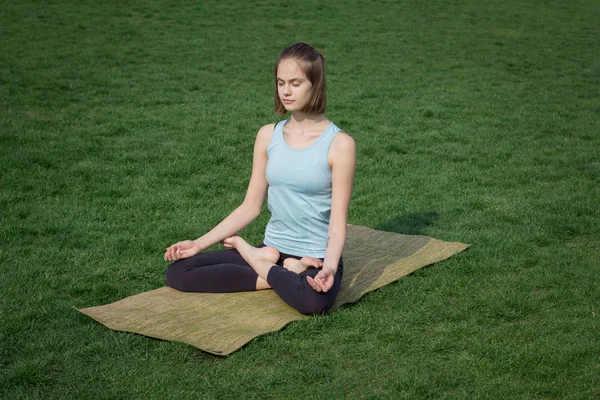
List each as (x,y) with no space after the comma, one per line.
(315,303)
(175,279)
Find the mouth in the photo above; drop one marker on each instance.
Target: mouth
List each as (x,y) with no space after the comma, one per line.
(287,101)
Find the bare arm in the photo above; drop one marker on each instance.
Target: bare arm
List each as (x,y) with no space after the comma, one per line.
(233,223)
(343,167)
(242,216)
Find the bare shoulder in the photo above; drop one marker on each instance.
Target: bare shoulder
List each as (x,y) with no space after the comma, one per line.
(342,151)
(264,134)
(268,128)
(343,144)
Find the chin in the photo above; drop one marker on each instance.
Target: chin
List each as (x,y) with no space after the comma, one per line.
(292,107)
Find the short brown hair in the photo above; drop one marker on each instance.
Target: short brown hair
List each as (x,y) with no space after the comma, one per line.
(312,64)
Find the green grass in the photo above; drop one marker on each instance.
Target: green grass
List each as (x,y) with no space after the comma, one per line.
(127,127)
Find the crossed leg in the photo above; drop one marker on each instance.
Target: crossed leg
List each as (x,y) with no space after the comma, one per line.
(263,258)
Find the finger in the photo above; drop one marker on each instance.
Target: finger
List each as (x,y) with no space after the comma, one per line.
(323,282)
(329,283)
(316,287)
(313,284)
(321,276)
(318,277)
(322,286)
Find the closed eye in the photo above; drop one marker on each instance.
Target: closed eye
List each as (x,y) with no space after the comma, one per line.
(294,82)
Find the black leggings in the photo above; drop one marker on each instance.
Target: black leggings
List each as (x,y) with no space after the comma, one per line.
(226,271)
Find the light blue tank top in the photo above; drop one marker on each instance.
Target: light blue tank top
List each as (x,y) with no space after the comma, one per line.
(299,195)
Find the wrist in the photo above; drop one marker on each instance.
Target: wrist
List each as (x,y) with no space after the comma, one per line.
(198,244)
(333,269)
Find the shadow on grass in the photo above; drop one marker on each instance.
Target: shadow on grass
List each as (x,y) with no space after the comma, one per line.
(412,224)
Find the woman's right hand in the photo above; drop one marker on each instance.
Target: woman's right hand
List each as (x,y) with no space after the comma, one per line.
(183,249)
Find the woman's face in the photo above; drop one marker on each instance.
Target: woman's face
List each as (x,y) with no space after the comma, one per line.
(293,86)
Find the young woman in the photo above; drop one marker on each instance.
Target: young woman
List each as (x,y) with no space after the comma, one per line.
(307,165)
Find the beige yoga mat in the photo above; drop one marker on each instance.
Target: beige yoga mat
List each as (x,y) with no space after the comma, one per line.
(221,323)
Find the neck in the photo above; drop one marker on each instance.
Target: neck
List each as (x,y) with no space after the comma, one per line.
(302,119)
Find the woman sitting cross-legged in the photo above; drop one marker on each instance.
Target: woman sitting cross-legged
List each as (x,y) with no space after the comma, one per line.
(306,165)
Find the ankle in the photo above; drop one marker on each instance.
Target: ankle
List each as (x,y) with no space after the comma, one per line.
(270,254)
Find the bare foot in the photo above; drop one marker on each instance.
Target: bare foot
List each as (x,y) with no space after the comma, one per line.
(301,265)
(253,255)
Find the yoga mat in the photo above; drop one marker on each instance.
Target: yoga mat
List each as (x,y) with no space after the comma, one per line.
(220,323)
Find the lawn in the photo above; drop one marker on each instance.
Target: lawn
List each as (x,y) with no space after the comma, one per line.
(128,126)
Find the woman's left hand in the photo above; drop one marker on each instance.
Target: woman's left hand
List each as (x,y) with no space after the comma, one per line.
(323,280)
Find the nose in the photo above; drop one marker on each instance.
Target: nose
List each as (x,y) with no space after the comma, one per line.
(286,89)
